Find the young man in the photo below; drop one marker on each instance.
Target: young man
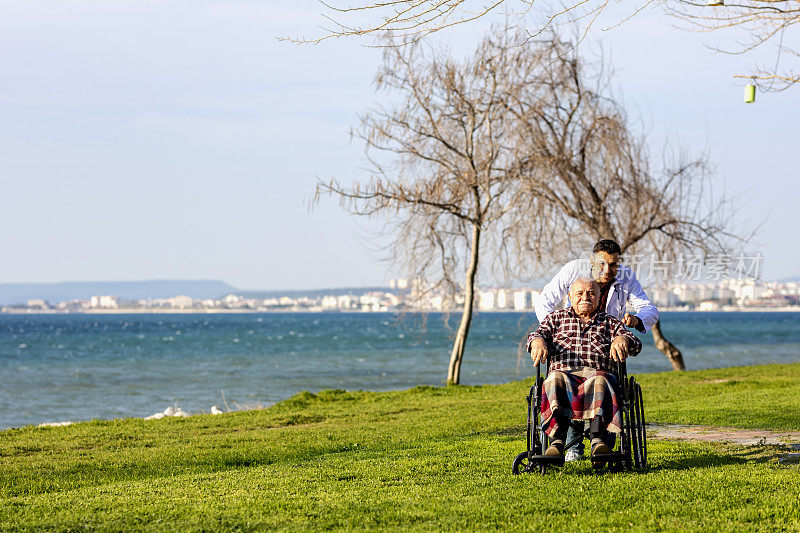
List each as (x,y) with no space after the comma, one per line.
(619,289)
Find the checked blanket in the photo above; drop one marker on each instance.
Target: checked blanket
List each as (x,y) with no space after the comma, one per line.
(581,394)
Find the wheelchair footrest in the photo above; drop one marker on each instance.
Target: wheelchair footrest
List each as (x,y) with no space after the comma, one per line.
(554,460)
(607,457)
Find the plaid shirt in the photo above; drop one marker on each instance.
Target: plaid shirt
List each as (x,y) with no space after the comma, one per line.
(573,345)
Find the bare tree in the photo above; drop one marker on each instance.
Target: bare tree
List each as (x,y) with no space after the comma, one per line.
(440,168)
(520,156)
(586,161)
(408,20)
(758,21)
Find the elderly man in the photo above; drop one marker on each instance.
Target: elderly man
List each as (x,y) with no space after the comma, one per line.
(582,343)
(619,289)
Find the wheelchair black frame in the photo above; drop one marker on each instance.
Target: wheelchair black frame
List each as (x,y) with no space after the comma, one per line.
(632,452)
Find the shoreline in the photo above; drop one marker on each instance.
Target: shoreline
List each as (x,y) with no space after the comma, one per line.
(177,412)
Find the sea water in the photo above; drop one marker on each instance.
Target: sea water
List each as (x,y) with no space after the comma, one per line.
(79,367)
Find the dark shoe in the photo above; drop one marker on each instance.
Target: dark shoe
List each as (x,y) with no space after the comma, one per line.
(556,449)
(599,448)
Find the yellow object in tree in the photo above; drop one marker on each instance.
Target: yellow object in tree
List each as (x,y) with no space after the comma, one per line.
(749,94)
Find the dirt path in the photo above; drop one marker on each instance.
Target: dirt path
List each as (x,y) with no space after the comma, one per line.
(744,437)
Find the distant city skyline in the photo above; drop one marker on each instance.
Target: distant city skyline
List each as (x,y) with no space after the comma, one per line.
(182,140)
(724,295)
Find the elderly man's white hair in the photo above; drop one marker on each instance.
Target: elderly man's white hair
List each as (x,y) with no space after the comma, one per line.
(584,280)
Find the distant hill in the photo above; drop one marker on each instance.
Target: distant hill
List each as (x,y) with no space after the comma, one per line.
(20,293)
(315,293)
(788,280)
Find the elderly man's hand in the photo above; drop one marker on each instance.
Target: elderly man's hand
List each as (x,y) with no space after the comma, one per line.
(538,351)
(619,348)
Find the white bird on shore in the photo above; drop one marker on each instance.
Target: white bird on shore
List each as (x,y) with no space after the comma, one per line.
(169,411)
(55,424)
(216,410)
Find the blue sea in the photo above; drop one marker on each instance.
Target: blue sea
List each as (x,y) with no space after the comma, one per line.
(79,367)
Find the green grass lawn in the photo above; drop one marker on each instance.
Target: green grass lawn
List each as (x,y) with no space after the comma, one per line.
(425,458)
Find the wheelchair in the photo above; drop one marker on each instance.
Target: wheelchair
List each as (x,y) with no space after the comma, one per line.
(631,453)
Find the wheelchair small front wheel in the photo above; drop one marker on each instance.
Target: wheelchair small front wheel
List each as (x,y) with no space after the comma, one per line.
(521,464)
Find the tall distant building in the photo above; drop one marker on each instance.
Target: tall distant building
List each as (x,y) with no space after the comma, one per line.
(38,304)
(104,302)
(486,300)
(398,283)
(180,302)
(504,299)
(521,300)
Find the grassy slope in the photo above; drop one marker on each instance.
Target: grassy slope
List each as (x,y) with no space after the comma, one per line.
(426,458)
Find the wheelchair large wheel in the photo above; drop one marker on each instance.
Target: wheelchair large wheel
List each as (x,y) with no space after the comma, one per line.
(638,432)
(627,436)
(539,439)
(642,427)
(630,427)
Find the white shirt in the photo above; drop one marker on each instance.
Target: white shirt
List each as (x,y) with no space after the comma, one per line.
(624,290)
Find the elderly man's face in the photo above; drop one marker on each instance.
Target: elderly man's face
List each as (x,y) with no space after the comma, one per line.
(584,296)
(605,267)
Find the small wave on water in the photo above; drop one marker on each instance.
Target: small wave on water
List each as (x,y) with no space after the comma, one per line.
(80,367)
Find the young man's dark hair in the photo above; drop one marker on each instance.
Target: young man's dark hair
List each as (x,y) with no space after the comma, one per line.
(608,246)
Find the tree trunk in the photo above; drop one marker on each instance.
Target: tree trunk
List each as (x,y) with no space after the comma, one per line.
(454,369)
(667,348)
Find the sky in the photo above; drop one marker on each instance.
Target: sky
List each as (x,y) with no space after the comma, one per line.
(181,139)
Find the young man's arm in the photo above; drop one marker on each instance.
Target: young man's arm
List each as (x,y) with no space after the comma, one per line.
(646,311)
(554,292)
(619,330)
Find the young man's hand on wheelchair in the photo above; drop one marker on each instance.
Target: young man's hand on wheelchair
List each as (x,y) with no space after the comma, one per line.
(633,321)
